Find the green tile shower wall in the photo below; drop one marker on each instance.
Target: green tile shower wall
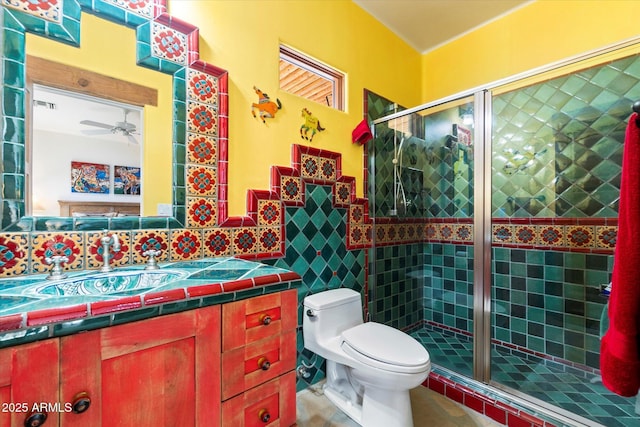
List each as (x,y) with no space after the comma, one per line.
(549,302)
(545,302)
(556,152)
(448,286)
(396,291)
(431,186)
(410,175)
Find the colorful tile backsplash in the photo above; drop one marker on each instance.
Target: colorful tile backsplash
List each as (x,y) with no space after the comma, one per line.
(200,226)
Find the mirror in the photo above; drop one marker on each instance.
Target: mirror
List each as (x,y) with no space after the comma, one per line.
(85,157)
(157,104)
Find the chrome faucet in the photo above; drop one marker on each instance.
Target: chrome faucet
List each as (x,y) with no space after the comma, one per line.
(108,241)
(152,263)
(56,272)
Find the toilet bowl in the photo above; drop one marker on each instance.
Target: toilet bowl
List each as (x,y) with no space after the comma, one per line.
(370,366)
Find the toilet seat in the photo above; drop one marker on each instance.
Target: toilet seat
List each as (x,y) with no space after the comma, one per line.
(384,347)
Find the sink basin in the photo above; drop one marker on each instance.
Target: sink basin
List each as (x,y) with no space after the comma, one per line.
(106,283)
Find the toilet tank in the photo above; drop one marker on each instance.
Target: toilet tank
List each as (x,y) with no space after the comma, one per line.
(328,313)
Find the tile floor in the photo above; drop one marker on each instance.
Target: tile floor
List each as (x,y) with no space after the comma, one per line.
(571,389)
(429,409)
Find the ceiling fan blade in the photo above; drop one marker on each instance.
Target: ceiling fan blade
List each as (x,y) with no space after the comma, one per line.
(132,139)
(90,132)
(96,124)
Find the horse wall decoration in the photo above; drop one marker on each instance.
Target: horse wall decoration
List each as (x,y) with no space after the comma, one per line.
(265,106)
(310,127)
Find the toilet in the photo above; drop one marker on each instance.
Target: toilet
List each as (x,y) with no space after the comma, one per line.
(370,366)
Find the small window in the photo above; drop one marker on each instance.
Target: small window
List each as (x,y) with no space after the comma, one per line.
(310,79)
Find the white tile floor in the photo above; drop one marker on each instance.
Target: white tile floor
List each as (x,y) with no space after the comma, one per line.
(429,409)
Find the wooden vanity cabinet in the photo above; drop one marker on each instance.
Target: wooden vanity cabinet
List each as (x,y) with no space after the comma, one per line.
(272,403)
(158,372)
(28,379)
(229,365)
(258,360)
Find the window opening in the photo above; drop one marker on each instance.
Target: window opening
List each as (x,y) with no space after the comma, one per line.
(307,77)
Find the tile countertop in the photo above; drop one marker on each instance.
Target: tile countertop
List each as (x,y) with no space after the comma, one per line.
(27,317)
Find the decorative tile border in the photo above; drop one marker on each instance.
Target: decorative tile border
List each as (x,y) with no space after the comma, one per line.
(593,235)
(47,245)
(476,400)
(144,240)
(259,235)
(13,253)
(47,10)
(200,181)
(146,9)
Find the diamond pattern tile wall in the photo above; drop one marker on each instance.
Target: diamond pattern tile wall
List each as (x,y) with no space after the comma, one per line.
(316,247)
(557,145)
(557,149)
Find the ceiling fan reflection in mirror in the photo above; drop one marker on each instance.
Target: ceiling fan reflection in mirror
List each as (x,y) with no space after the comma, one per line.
(123,128)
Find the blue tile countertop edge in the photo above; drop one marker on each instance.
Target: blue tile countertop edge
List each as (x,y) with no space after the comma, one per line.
(34,308)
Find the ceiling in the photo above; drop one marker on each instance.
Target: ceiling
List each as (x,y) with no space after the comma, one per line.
(423,24)
(427,24)
(61,112)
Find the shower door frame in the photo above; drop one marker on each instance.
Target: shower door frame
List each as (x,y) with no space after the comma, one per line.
(482,219)
(482,238)
(481,223)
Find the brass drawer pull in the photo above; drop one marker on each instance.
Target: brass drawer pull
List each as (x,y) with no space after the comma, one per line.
(264,415)
(265,319)
(81,402)
(264,364)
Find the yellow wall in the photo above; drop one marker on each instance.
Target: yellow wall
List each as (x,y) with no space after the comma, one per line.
(536,35)
(243,38)
(115,56)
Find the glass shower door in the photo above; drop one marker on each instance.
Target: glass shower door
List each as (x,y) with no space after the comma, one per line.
(493,240)
(422,192)
(556,154)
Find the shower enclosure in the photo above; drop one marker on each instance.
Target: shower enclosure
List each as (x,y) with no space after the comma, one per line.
(495,217)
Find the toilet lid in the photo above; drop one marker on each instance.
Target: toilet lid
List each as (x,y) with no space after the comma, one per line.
(387,345)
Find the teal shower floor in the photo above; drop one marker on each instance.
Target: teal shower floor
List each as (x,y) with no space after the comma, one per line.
(566,387)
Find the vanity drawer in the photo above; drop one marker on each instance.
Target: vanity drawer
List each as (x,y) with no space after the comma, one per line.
(272,403)
(246,367)
(254,319)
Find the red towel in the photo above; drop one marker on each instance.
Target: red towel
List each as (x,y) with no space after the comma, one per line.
(620,347)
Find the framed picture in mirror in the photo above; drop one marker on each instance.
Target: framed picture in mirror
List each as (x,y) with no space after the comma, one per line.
(89,178)
(126,180)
